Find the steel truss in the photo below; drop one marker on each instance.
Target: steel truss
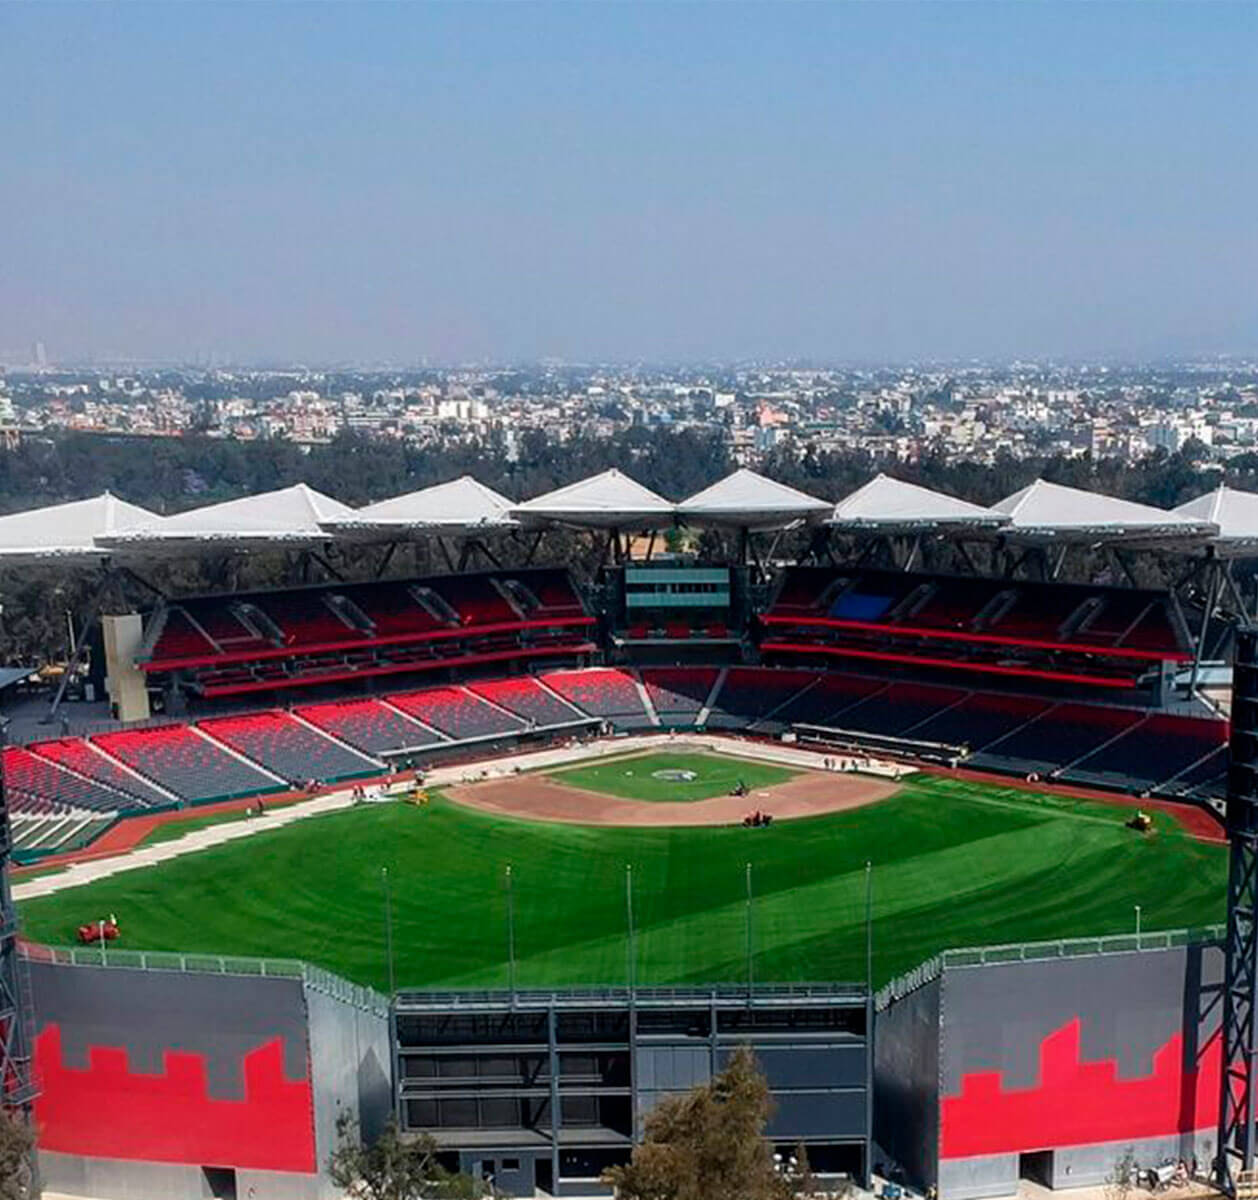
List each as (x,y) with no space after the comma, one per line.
(1236,1140)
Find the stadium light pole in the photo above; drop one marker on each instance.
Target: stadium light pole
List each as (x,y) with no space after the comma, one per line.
(750,964)
(510,934)
(388,927)
(869,1020)
(1137,921)
(632,948)
(869,925)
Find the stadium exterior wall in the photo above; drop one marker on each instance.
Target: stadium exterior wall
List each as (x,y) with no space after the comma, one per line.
(150,1077)
(1052,1069)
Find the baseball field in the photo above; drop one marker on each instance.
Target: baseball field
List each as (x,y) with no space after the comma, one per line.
(954,863)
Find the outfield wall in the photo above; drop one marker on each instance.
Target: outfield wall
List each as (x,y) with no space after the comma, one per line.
(173,1085)
(1052,1069)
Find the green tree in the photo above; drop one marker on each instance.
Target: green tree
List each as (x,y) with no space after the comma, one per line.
(17,1143)
(393,1167)
(708,1143)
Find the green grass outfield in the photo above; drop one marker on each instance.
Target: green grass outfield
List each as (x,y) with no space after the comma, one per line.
(955,864)
(632,777)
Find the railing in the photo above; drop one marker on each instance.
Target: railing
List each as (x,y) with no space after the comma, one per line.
(315,978)
(758,994)
(982,956)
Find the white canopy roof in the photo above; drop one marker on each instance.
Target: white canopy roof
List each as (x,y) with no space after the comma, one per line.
(67,532)
(287,518)
(891,506)
(1236,515)
(461,507)
(745,500)
(1050,512)
(608,501)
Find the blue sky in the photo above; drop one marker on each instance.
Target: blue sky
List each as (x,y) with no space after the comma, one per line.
(843,181)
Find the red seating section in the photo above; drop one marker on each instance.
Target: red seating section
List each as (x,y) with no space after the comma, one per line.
(338,632)
(525,697)
(457,713)
(185,763)
(370,725)
(36,785)
(288,748)
(1104,637)
(602,692)
(678,694)
(78,756)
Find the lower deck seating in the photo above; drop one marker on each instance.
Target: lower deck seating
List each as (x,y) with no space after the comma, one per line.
(602,692)
(78,756)
(678,694)
(751,694)
(33,784)
(1061,735)
(371,726)
(1206,778)
(36,836)
(458,713)
(980,719)
(185,763)
(896,710)
(527,699)
(288,748)
(1153,752)
(828,698)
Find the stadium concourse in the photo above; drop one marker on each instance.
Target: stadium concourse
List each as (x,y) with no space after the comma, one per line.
(1061,638)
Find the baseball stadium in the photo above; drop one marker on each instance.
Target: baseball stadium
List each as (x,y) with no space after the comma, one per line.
(935,805)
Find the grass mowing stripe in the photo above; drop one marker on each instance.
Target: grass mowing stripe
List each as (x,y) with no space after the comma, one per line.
(951,868)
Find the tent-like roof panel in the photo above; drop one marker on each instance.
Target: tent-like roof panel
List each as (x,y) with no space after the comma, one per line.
(746,500)
(67,532)
(608,501)
(461,507)
(1234,512)
(890,506)
(1051,512)
(286,518)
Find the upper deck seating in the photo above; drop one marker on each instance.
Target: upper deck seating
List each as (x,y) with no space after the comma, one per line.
(392,608)
(554,591)
(1061,735)
(185,763)
(476,600)
(678,694)
(1153,752)
(457,713)
(264,641)
(373,727)
(527,699)
(288,748)
(1076,634)
(34,784)
(304,619)
(602,692)
(78,756)
(751,694)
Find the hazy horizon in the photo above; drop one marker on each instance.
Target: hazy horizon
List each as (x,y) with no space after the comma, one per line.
(842,183)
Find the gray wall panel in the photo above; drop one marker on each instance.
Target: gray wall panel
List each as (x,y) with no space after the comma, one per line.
(349,1066)
(906,1083)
